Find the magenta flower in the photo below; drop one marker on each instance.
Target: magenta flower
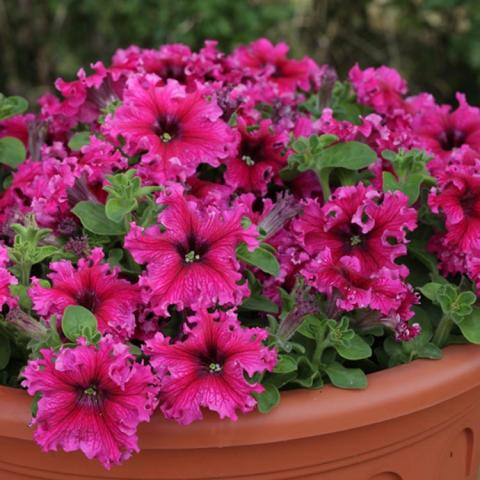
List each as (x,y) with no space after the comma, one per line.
(179,130)
(6,279)
(441,131)
(382,291)
(261,154)
(458,198)
(208,368)
(381,88)
(263,59)
(91,399)
(350,288)
(92,285)
(358,222)
(191,260)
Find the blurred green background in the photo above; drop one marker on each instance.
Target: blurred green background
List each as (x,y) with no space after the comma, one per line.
(434,43)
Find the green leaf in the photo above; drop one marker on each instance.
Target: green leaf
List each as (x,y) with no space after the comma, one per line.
(357,349)
(93,218)
(21,291)
(259,303)
(10,106)
(467,298)
(350,378)
(430,351)
(430,290)
(12,152)
(78,321)
(117,208)
(410,187)
(348,155)
(268,398)
(312,326)
(79,140)
(5,352)
(470,326)
(261,257)
(285,364)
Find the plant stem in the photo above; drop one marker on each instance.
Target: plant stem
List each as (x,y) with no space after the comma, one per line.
(443,331)
(322,344)
(25,273)
(324,177)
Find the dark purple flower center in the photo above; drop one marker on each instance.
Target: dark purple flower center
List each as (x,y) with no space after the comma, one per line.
(468,203)
(167,127)
(89,299)
(252,151)
(212,361)
(451,138)
(91,397)
(353,236)
(192,250)
(173,70)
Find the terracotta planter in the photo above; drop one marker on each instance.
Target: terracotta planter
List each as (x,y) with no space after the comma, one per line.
(415,422)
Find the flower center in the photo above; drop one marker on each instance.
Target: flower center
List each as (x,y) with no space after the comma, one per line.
(214,367)
(451,138)
(88,299)
(191,257)
(252,152)
(91,391)
(91,397)
(193,250)
(355,240)
(167,127)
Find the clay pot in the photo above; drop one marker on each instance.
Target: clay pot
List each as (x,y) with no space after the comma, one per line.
(414,422)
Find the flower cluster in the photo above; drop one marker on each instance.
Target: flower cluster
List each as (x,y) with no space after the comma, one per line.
(198,230)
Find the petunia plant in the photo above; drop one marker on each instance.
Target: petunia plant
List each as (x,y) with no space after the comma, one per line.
(188,231)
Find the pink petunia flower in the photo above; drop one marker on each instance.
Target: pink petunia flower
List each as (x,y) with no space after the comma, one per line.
(458,198)
(441,131)
(344,281)
(358,222)
(191,259)
(94,286)
(261,154)
(381,88)
(6,279)
(263,59)
(179,130)
(91,399)
(208,368)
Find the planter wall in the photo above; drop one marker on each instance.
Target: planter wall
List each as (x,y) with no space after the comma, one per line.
(415,422)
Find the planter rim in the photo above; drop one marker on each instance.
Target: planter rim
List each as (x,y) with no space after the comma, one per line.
(391,393)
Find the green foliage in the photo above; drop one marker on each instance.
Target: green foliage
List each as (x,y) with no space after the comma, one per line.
(124,193)
(458,307)
(77,322)
(12,152)
(10,106)
(395,353)
(410,172)
(262,257)
(323,155)
(27,249)
(256,302)
(79,140)
(94,219)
